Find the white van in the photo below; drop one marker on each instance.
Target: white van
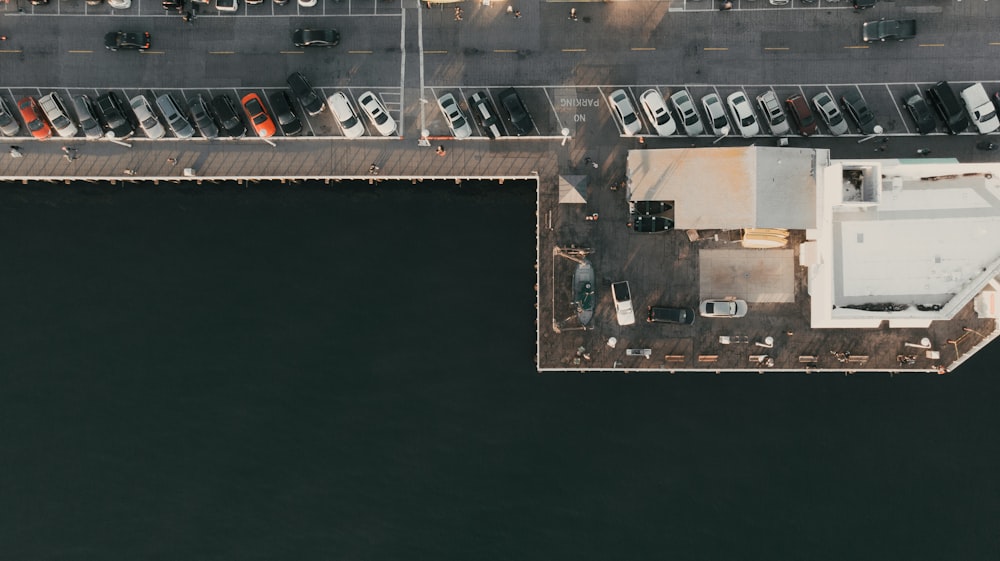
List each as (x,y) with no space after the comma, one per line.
(56,113)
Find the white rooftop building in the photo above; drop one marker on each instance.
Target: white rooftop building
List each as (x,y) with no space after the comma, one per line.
(908,241)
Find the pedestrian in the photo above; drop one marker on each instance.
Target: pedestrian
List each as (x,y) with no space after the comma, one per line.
(172,161)
(587,160)
(727,5)
(373,169)
(3,37)
(510,9)
(15,152)
(517,14)
(572,14)
(129,171)
(440,151)
(923,151)
(594,164)
(186,17)
(642,142)
(458,14)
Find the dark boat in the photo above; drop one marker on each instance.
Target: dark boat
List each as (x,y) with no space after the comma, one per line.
(646,223)
(583,291)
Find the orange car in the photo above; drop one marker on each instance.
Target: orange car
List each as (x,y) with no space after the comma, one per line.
(32,116)
(262,122)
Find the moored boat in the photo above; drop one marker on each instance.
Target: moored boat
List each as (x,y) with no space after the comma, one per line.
(583,291)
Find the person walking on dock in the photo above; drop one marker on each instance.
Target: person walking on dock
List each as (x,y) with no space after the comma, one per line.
(15,152)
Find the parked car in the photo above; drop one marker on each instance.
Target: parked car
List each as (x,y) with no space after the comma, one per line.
(315,37)
(202,117)
(980,108)
(777,2)
(650,224)
(32,116)
(114,116)
(143,111)
(723,308)
(227,6)
(120,4)
(519,116)
(623,109)
(623,303)
(686,112)
(259,119)
(55,112)
(717,120)
(229,117)
(920,111)
(743,115)
(656,111)
(857,108)
(486,114)
(372,106)
(774,116)
(348,120)
(85,115)
(663,314)
(828,111)
(8,123)
(943,98)
(456,120)
(307,3)
(176,120)
(127,41)
(304,92)
(802,115)
(284,112)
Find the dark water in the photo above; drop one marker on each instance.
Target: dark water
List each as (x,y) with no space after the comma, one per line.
(346,374)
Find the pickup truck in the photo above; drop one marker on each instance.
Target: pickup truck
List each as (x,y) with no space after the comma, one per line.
(883,29)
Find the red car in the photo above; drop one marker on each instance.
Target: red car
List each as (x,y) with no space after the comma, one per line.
(32,116)
(262,122)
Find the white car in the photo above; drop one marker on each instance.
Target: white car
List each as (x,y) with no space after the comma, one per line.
(456,120)
(372,106)
(682,103)
(147,119)
(226,5)
(742,113)
(724,308)
(657,112)
(349,122)
(626,113)
(774,115)
(623,303)
(120,4)
(717,120)
(830,114)
(56,113)
(307,3)
(980,108)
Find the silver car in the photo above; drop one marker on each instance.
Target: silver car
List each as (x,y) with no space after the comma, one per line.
(56,113)
(147,119)
(774,115)
(175,119)
(85,114)
(202,117)
(682,103)
(8,123)
(716,114)
(830,114)
(456,120)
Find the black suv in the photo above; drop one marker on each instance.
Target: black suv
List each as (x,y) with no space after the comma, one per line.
(311,102)
(114,117)
(228,116)
(519,116)
(856,107)
(284,113)
(659,314)
(948,107)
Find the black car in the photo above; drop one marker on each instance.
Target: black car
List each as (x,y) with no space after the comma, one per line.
(202,117)
(284,113)
(304,92)
(124,41)
(228,116)
(946,103)
(920,111)
(315,38)
(113,116)
(651,207)
(519,116)
(648,223)
(857,108)
(662,314)
(486,114)
(863,4)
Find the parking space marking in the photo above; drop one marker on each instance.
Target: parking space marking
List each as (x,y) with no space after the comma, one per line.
(899,111)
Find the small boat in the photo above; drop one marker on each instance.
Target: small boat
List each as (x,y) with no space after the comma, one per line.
(583,291)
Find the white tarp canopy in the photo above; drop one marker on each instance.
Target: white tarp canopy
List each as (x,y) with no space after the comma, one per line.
(572,189)
(728,188)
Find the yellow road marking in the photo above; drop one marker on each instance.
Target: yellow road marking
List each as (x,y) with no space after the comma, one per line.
(359,52)
(716,48)
(856,47)
(435,52)
(574,50)
(221,52)
(994,44)
(292,52)
(775,48)
(10,50)
(80,52)
(931,45)
(643,48)
(504,50)
(152,52)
